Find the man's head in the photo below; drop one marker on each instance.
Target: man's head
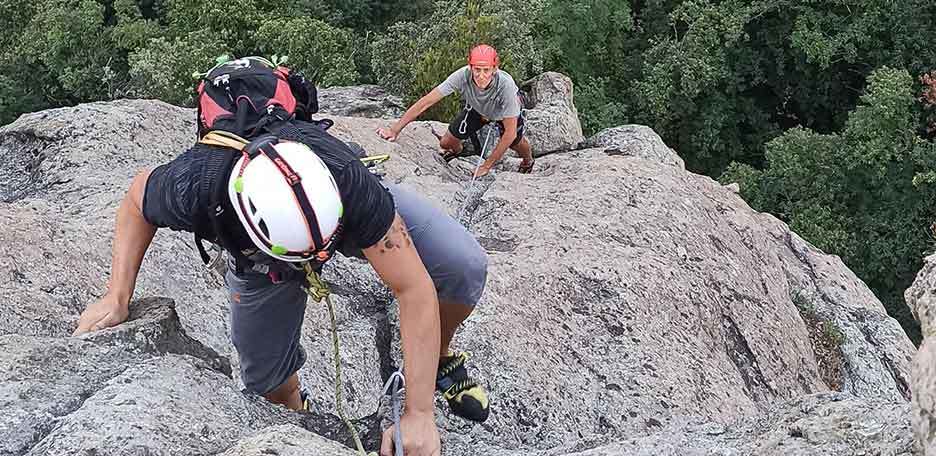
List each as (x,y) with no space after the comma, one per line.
(483,62)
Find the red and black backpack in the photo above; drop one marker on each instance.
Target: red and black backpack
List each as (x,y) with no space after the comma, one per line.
(243,96)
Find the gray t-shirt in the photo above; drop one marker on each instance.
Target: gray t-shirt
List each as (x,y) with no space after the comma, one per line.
(497,101)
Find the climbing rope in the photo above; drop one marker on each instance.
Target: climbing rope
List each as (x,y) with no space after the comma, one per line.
(463,213)
(317,290)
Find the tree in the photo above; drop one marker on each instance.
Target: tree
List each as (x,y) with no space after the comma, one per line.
(864,194)
(731,75)
(313,47)
(413,58)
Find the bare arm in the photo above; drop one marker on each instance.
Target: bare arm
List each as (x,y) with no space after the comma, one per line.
(416,109)
(396,261)
(132,236)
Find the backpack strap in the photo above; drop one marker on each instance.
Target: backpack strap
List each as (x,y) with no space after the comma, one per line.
(217,194)
(224,139)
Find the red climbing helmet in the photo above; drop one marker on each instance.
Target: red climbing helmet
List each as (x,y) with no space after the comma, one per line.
(483,54)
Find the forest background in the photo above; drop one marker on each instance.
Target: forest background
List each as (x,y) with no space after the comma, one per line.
(822,111)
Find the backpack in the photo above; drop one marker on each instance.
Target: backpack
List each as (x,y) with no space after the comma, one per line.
(243,96)
(239,100)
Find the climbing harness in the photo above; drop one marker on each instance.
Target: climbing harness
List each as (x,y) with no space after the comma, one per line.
(318,290)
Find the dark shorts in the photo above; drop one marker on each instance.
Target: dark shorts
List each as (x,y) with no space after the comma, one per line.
(266,318)
(467,123)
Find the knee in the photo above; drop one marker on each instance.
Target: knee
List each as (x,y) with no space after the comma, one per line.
(481,263)
(476,266)
(449,142)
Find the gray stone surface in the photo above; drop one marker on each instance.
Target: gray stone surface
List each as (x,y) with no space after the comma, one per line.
(360,101)
(164,406)
(825,424)
(552,123)
(624,295)
(45,378)
(634,140)
(674,292)
(287,440)
(921,297)
(55,251)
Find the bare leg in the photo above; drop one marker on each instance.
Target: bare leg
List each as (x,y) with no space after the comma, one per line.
(452,316)
(524,150)
(450,143)
(287,394)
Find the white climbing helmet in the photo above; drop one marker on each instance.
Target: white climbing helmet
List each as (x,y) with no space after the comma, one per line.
(289,222)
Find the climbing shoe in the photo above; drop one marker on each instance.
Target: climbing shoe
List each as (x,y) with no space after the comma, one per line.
(464,395)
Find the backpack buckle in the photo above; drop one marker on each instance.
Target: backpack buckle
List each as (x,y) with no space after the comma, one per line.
(222,79)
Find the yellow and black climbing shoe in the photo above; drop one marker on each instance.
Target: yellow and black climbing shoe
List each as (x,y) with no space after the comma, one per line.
(464,395)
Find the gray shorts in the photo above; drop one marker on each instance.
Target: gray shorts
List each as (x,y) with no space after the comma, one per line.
(266,318)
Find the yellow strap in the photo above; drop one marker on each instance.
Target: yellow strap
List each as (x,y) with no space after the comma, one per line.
(224,139)
(376,159)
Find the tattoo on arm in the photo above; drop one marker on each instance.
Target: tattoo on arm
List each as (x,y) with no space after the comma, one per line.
(397,237)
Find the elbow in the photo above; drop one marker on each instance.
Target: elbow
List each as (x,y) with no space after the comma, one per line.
(416,287)
(137,190)
(509,137)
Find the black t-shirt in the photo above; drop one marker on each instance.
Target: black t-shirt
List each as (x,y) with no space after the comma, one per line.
(177,193)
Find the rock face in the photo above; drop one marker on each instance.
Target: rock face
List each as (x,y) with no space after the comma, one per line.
(360,101)
(819,424)
(635,141)
(287,440)
(552,123)
(921,297)
(627,301)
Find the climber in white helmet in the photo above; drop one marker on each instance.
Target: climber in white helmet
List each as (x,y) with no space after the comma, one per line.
(295,195)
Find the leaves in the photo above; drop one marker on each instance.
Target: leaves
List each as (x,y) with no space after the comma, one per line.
(864,194)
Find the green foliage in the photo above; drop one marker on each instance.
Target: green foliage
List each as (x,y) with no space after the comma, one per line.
(595,43)
(68,41)
(59,53)
(313,47)
(363,15)
(864,194)
(413,58)
(597,106)
(233,22)
(585,34)
(163,69)
(731,75)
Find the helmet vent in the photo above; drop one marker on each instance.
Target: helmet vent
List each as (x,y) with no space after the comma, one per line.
(264,229)
(253,209)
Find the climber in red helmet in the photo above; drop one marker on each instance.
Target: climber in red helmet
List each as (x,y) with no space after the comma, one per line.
(490,95)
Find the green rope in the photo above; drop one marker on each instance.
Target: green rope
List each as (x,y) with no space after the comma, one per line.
(317,291)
